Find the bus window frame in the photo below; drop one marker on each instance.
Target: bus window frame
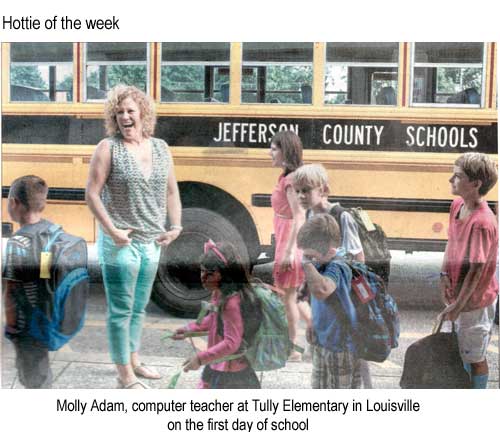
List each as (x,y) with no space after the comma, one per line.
(404,110)
(252,65)
(397,65)
(364,65)
(482,66)
(196,63)
(373,96)
(85,63)
(48,90)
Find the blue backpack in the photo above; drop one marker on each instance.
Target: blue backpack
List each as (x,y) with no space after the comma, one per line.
(60,312)
(375,328)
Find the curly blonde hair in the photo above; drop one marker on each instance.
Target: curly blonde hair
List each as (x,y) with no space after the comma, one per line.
(145,103)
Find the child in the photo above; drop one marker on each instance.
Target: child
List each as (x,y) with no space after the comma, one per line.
(234,316)
(311,185)
(335,364)
(286,154)
(468,284)
(21,279)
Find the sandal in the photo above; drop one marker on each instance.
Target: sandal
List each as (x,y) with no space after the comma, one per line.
(147,372)
(134,385)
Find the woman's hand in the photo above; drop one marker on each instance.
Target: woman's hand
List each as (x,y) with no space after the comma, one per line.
(168,237)
(191,364)
(121,237)
(287,262)
(179,334)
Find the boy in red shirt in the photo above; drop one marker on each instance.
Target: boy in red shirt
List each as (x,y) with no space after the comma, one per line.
(468,284)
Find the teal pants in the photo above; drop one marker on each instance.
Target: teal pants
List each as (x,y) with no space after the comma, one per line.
(128,274)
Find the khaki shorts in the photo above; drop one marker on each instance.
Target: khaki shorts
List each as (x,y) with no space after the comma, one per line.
(474,332)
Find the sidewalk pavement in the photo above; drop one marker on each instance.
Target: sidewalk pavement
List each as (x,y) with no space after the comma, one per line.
(71,370)
(84,363)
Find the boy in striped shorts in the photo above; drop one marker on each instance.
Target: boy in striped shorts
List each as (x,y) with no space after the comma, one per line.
(335,364)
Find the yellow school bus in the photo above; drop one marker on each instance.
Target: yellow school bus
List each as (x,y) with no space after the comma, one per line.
(387,120)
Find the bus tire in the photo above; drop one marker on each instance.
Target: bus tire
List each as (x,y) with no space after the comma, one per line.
(177,288)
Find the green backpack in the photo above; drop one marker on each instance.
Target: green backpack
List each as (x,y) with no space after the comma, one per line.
(270,346)
(265,345)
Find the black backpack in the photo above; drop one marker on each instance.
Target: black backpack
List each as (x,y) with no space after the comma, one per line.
(373,240)
(60,312)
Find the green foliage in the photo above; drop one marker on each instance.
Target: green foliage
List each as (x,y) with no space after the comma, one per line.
(119,74)
(178,78)
(288,78)
(66,83)
(128,75)
(279,78)
(28,76)
(187,82)
(453,80)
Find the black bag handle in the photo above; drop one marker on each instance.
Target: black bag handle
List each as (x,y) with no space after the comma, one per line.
(439,324)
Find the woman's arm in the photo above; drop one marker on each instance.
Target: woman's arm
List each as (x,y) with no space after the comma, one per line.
(298,216)
(98,174)
(174,210)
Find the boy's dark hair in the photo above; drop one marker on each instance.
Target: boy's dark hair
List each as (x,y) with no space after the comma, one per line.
(478,166)
(319,233)
(31,191)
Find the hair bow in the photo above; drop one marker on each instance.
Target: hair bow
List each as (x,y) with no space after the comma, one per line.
(211,246)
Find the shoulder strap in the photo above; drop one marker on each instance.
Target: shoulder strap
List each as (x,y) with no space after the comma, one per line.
(336,304)
(54,232)
(336,211)
(35,229)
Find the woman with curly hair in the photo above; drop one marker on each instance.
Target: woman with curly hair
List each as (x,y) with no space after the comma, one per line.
(130,190)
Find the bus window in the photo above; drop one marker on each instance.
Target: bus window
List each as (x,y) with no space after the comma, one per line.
(448,73)
(362,73)
(195,72)
(277,73)
(109,64)
(41,72)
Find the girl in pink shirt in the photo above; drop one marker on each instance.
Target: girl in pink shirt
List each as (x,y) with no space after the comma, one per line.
(286,154)
(233,303)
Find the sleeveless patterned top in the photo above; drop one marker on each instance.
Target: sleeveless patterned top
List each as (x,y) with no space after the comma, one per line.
(132,201)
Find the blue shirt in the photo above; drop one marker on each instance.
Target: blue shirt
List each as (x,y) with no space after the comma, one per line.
(329,332)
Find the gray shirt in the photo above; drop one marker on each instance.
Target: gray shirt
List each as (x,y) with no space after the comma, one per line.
(132,202)
(350,237)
